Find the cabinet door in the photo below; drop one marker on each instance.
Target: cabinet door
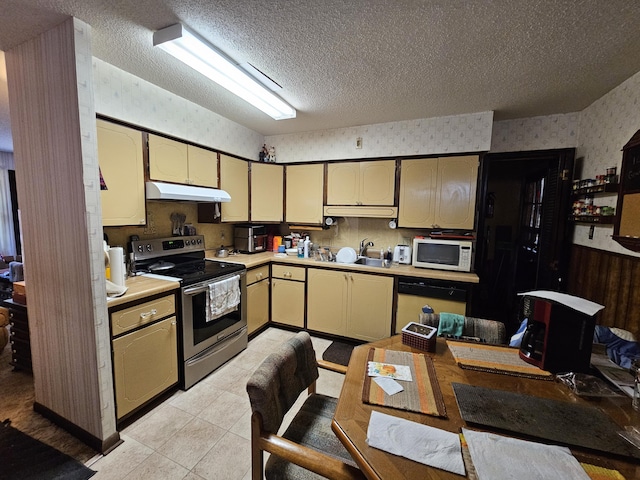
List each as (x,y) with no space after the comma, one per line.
(327,301)
(287,302)
(203,167)
(304,193)
(456,198)
(343,183)
(121,165)
(257,305)
(234,178)
(168,160)
(370,306)
(417,199)
(377,183)
(267,187)
(145,363)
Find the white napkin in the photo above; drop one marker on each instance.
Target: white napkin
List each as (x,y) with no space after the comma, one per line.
(421,443)
(496,457)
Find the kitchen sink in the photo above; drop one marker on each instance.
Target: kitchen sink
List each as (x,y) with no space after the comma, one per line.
(371,262)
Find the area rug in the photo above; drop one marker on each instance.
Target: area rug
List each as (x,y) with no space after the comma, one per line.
(24,458)
(338,352)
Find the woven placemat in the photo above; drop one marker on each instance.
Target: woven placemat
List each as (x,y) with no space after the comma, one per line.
(421,395)
(494,359)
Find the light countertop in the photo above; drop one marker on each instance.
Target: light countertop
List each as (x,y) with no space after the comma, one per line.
(396,270)
(141,287)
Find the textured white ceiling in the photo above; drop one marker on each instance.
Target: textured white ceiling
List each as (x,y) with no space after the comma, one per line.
(346,63)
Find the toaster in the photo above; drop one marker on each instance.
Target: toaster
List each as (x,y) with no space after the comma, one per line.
(402,254)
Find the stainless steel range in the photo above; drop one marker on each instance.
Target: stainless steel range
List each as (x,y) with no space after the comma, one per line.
(213,301)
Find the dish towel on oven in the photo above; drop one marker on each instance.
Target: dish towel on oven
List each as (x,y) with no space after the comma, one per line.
(224,297)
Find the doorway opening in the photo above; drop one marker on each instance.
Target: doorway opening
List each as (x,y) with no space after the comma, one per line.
(523,234)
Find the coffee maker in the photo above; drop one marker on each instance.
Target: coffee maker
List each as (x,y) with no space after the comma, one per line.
(559,332)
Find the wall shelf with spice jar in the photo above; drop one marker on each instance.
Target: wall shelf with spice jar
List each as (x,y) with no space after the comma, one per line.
(585,191)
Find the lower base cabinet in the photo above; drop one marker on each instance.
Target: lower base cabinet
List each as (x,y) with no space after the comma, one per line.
(257,298)
(145,358)
(287,295)
(353,305)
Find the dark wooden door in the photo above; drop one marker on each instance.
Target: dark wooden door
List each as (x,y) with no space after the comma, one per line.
(524,236)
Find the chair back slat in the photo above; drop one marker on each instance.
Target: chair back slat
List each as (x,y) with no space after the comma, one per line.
(275,386)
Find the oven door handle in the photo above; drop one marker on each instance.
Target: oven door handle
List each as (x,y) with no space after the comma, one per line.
(196,290)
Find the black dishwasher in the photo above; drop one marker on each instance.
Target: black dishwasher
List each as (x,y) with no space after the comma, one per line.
(441,296)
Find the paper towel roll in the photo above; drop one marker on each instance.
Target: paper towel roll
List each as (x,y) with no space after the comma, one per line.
(118,270)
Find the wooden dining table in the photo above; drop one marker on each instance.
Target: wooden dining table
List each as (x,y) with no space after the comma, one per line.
(352,415)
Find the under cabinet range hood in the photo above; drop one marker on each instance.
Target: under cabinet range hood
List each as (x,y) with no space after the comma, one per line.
(184,193)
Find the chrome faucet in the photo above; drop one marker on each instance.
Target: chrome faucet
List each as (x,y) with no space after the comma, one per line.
(363,247)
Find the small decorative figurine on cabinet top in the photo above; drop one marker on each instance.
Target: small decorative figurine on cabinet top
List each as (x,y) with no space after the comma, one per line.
(272,155)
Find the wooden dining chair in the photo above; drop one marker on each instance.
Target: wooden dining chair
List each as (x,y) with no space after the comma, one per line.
(308,449)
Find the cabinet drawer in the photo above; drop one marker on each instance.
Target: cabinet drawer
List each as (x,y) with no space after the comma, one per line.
(288,273)
(134,317)
(256,274)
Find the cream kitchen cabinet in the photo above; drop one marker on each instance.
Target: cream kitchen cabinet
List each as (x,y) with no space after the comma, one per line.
(304,193)
(287,295)
(121,165)
(145,352)
(354,305)
(438,192)
(267,188)
(257,298)
(177,162)
(361,183)
(234,179)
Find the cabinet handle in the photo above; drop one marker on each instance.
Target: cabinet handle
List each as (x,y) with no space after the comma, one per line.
(259,276)
(146,315)
(174,322)
(287,274)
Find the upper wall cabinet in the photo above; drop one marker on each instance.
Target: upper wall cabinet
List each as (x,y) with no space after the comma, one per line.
(267,186)
(361,183)
(177,162)
(626,230)
(121,165)
(304,192)
(438,192)
(234,179)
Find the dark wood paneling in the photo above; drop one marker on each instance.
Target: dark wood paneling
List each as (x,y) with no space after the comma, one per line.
(610,279)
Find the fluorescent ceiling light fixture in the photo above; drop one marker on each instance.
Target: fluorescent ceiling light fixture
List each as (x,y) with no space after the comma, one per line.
(189,48)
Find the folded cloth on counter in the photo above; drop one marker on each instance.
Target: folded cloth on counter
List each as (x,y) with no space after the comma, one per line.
(114,290)
(420,443)
(224,297)
(451,324)
(496,457)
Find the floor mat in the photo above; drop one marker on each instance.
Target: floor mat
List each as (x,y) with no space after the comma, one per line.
(338,352)
(25,458)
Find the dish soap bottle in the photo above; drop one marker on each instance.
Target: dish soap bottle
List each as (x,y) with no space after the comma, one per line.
(306,247)
(300,246)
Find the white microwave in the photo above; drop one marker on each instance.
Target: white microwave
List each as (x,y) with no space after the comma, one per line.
(442,254)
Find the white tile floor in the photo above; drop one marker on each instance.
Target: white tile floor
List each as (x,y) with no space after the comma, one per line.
(203,433)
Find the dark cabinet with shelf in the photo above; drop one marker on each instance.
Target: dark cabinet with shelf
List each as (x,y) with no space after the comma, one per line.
(594,191)
(19,335)
(626,230)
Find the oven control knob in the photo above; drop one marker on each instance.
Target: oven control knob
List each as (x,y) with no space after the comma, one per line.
(140,248)
(149,247)
(199,241)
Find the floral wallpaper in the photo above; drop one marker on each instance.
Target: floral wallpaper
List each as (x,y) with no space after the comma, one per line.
(605,127)
(427,136)
(535,133)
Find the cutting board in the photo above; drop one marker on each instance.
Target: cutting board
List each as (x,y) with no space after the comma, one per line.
(559,422)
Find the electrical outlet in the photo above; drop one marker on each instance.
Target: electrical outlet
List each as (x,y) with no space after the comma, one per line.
(359,142)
